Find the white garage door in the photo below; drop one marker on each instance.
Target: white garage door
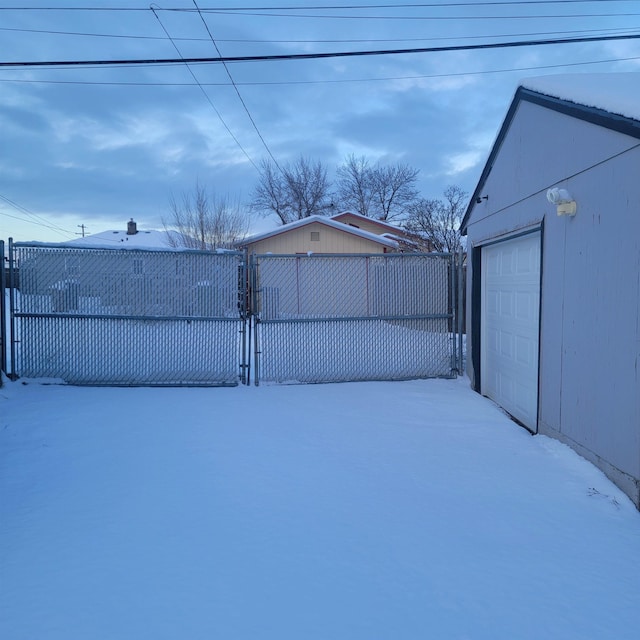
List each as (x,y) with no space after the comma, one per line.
(510,326)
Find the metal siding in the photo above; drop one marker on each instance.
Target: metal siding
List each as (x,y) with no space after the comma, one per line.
(600,348)
(590,339)
(529,163)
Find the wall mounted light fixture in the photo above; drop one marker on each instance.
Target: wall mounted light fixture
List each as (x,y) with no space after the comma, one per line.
(565,204)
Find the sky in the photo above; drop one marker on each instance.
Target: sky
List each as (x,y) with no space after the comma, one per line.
(86,148)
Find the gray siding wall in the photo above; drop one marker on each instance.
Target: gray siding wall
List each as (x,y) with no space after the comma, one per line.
(590,300)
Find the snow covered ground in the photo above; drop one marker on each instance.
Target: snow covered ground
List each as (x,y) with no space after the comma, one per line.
(397,510)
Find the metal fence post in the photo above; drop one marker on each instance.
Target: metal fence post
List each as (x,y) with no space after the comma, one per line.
(255,318)
(3,314)
(242,303)
(454,309)
(12,308)
(461,308)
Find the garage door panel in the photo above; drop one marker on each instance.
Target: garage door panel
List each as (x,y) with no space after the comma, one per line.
(524,302)
(506,303)
(506,345)
(510,325)
(524,351)
(493,306)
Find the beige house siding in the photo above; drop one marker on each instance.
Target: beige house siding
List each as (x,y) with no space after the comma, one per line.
(371,226)
(366,225)
(328,240)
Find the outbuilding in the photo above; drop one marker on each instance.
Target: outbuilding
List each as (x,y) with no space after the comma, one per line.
(553,231)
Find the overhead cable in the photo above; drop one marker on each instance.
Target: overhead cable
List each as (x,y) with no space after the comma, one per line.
(332,81)
(318,56)
(204,93)
(242,102)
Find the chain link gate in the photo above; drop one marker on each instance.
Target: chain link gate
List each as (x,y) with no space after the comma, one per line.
(338,318)
(127,316)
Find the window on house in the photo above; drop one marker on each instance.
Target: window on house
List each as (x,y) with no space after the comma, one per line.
(315,236)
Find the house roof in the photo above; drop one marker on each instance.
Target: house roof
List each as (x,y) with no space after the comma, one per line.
(143,239)
(329,222)
(610,100)
(386,226)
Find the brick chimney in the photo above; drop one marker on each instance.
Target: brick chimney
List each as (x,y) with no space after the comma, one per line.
(132,228)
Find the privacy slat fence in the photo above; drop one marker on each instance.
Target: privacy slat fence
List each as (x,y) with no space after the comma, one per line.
(336,318)
(141,317)
(127,317)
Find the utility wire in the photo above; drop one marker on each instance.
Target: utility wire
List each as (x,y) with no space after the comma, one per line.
(339,81)
(33,217)
(204,93)
(325,41)
(226,68)
(316,56)
(431,18)
(411,5)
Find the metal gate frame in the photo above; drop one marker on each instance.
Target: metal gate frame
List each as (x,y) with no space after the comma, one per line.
(3,313)
(67,320)
(263,317)
(250,320)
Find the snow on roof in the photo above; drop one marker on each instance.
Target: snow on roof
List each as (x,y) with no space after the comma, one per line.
(345,228)
(143,239)
(382,223)
(617,93)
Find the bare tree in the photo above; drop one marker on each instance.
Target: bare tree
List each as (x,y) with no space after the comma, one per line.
(295,192)
(394,189)
(201,221)
(354,185)
(437,222)
(384,192)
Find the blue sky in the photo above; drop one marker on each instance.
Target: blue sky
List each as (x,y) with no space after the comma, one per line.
(97,146)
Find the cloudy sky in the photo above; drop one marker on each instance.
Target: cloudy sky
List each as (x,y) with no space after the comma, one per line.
(97,145)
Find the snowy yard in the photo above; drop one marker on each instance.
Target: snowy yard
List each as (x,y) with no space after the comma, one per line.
(397,510)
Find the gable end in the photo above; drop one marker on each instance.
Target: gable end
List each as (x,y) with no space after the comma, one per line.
(593,115)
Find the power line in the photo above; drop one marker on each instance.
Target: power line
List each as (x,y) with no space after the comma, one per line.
(431,18)
(226,68)
(411,5)
(318,56)
(33,217)
(97,35)
(324,41)
(204,93)
(335,81)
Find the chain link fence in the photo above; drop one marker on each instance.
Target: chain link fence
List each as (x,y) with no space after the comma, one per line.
(146,317)
(127,317)
(322,318)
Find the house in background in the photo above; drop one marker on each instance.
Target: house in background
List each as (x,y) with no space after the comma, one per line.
(131,238)
(553,233)
(320,234)
(406,241)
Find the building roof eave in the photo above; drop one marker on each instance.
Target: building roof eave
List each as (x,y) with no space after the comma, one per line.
(594,115)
